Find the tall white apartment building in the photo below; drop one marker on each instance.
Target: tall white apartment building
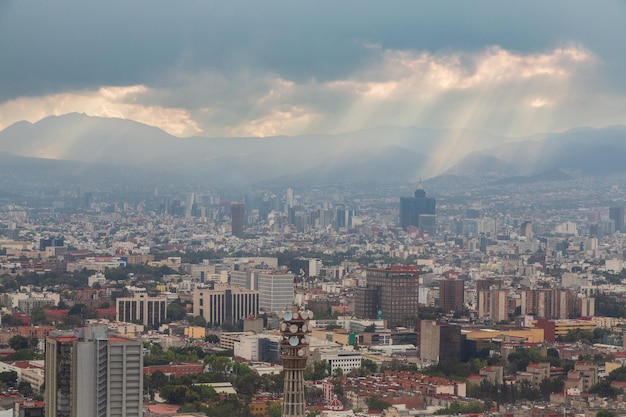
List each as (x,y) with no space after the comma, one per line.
(91,373)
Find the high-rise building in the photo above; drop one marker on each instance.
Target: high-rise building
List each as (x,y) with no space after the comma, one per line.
(617,215)
(91,373)
(526,229)
(225,304)
(397,294)
(344,219)
(150,311)
(412,207)
(237,213)
(439,342)
(366,302)
(555,303)
(493,305)
(275,288)
(451,294)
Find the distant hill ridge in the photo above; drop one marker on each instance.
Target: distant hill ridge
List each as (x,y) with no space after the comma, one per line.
(381,154)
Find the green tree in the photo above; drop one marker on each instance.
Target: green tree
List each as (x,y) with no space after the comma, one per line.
(176,311)
(25,389)
(18,342)
(606,413)
(197,321)
(618,374)
(37,316)
(248,384)
(274,409)
(375,403)
(9,378)
(605,389)
(175,394)
(369,366)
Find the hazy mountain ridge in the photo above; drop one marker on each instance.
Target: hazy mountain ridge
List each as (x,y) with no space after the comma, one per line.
(590,151)
(381,154)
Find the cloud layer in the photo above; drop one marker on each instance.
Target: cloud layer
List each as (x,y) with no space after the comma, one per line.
(213,69)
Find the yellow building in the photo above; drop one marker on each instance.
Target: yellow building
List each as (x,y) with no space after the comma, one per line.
(531,335)
(195,332)
(561,327)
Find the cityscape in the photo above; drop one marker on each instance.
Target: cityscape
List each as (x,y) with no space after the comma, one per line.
(334,210)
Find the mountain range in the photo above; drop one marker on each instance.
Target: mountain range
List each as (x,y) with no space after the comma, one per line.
(75,142)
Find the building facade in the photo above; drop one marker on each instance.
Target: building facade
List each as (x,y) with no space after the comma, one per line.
(439,341)
(225,304)
(275,288)
(451,294)
(238,213)
(396,293)
(150,311)
(91,373)
(411,208)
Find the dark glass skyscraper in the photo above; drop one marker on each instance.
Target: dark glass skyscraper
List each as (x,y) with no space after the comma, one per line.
(412,207)
(238,212)
(617,215)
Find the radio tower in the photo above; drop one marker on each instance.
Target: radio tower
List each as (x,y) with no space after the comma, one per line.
(294,352)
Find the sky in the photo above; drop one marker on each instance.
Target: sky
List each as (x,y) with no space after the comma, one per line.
(265,68)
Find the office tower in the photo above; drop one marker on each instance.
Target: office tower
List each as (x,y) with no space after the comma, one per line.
(526,229)
(492,305)
(225,304)
(397,294)
(91,373)
(555,303)
(237,213)
(366,302)
(344,219)
(617,215)
(310,267)
(427,223)
(294,353)
(275,288)
(412,207)
(451,294)
(289,198)
(150,311)
(50,242)
(439,341)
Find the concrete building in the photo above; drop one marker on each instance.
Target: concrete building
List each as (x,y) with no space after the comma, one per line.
(439,341)
(275,288)
(225,304)
(237,212)
(150,311)
(412,207)
(396,295)
(29,408)
(617,215)
(492,305)
(110,380)
(451,294)
(346,360)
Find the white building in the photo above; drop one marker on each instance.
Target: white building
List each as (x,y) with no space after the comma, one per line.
(142,308)
(346,360)
(90,373)
(225,304)
(276,290)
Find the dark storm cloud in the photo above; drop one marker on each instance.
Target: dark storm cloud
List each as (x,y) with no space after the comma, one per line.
(49,47)
(289,67)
